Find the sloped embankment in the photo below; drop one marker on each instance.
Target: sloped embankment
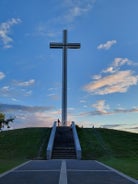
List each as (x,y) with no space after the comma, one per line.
(17,146)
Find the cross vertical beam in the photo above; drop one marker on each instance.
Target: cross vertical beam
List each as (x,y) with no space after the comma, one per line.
(64,46)
(64,80)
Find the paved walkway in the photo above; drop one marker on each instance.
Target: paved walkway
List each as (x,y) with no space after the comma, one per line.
(64,172)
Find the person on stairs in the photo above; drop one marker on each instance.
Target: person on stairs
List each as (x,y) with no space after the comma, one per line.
(58,122)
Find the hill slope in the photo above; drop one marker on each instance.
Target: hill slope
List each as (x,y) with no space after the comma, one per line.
(17,146)
(116,148)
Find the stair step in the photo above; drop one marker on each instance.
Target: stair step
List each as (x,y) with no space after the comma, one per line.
(63,157)
(64,153)
(65,150)
(64,147)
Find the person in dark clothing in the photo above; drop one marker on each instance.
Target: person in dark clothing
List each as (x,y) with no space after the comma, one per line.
(58,122)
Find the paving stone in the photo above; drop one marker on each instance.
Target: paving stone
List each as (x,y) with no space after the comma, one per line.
(75,171)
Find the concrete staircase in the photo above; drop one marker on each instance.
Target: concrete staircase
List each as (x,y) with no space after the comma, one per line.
(64,147)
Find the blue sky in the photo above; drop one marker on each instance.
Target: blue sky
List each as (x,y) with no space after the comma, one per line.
(102,75)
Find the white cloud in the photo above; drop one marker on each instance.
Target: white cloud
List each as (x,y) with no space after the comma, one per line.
(14,92)
(85,106)
(4,91)
(14,100)
(118,82)
(69,11)
(82,101)
(77,8)
(96,77)
(101,106)
(109,70)
(28,93)
(2,75)
(51,89)
(107,45)
(31,116)
(115,81)
(5,88)
(117,63)
(38,119)
(25,83)
(23,108)
(5,31)
(121,61)
(112,126)
(53,96)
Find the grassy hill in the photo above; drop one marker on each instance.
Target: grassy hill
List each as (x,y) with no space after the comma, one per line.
(116,148)
(17,146)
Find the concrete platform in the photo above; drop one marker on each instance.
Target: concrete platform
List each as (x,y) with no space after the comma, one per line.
(64,172)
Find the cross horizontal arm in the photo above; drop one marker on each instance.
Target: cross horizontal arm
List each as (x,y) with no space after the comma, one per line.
(56,45)
(73,45)
(61,45)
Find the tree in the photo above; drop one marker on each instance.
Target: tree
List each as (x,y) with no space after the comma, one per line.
(5,122)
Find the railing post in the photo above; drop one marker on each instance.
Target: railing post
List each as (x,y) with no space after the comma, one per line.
(51,142)
(77,142)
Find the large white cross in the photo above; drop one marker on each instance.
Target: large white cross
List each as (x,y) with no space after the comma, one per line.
(64,46)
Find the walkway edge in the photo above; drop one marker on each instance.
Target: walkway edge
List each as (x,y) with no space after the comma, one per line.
(118,172)
(13,169)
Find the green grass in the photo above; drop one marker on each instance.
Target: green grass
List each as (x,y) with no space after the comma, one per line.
(117,149)
(17,146)
(128,166)
(9,164)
